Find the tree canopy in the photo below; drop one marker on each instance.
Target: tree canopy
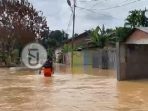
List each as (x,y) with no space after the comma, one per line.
(100,37)
(54,39)
(137,18)
(20,24)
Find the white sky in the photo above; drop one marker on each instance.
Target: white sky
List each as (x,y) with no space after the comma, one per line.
(111,13)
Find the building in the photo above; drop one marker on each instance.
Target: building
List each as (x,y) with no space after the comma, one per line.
(80,41)
(86,54)
(132,55)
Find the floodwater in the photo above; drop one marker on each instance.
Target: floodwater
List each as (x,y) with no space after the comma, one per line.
(77,89)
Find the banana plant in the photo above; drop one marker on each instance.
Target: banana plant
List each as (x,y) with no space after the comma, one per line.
(99,37)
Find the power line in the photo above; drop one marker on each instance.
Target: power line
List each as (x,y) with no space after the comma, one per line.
(90,10)
(117,6)
(92,7)
(88,1)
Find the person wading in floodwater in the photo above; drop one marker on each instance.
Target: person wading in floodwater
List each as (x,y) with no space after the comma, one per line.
(47,68)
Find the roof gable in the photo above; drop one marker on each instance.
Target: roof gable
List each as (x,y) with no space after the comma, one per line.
(138,36)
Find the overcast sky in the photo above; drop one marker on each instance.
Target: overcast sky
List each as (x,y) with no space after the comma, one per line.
(111,13)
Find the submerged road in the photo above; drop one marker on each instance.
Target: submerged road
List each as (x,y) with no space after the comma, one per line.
(86,89)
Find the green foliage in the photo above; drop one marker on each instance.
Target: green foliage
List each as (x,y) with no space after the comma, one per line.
(50,52)
(137,18)
(58,36)
(99,37)
(94,36)
(111,36)
(67,48)
(20,24)
(122,33)
(54,39)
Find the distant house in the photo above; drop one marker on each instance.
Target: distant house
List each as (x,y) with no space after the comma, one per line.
(133,55)
(80,41)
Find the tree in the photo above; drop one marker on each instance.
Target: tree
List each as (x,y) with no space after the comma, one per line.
(98,37)
(20,24)
(66,48)
(111,36)
(137,18)
(122,33)
(58,36)
(55,39)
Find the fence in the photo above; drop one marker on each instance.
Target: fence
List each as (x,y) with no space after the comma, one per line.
(104,58)
(98,58)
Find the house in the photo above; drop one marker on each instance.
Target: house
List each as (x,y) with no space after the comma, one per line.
(85,53)
(132,55)
(80,41)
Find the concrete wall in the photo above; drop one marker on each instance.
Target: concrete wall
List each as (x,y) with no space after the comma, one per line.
(132,57)
(121,61)
(137,61)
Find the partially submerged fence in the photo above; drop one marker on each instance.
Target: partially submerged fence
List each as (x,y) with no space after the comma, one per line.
(104,58)
(98,58)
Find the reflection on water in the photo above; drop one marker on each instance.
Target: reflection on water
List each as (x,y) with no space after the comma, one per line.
(79,70)
(77,89)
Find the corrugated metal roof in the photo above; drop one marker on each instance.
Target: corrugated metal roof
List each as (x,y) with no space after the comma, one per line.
(144,29)
(82,35)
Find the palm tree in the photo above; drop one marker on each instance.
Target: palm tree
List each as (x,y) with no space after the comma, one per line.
(98,37)
(137,18)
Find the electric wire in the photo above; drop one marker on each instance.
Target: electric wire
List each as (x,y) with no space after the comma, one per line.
(117,6)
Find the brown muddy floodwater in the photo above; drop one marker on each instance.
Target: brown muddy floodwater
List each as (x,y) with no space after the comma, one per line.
(86,89)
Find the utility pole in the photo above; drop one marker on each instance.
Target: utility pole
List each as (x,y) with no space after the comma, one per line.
(73,32)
